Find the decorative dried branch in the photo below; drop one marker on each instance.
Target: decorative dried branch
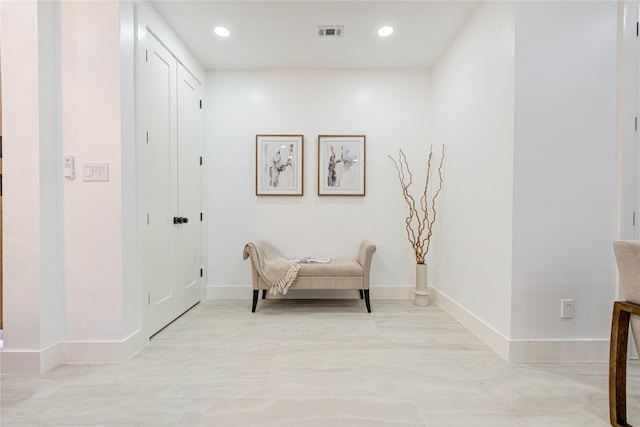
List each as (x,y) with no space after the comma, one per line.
(419,224)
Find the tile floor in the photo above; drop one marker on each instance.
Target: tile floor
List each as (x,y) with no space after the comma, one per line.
(315,363)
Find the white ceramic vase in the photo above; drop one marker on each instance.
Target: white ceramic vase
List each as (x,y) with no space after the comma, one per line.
(422,297)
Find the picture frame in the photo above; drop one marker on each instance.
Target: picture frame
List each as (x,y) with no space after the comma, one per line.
(342,165)
(279,165)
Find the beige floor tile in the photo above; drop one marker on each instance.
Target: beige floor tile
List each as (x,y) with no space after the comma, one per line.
(316,363)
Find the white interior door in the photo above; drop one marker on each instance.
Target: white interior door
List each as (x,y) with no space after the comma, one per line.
(156,171)
(189,137)
(168,187)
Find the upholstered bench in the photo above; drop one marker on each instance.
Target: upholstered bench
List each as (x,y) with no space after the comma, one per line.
(337,274)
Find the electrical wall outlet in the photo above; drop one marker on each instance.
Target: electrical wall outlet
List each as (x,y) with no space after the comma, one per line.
(567,309)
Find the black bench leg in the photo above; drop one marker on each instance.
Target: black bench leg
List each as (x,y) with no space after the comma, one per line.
(366,300)
(361,294)
(255,300)
(264,293)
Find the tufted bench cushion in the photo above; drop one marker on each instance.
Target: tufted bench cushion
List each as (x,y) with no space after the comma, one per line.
(336,267)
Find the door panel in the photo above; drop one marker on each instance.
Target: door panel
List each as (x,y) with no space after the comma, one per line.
(189,137)
(156,159)
(168,186)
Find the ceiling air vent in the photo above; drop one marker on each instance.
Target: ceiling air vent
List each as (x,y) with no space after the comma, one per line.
(330,31)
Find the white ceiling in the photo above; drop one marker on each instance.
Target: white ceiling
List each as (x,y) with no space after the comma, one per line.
(283,34)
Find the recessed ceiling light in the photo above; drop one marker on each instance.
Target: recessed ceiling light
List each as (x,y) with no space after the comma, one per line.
(222,31)
(385,31)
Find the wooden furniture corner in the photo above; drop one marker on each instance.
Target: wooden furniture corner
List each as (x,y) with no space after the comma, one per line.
(622,311)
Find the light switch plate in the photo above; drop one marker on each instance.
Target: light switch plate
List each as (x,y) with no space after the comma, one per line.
(95,171)
(69,167)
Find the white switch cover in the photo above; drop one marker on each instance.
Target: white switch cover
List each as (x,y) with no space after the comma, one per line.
(69,167)
(95,171)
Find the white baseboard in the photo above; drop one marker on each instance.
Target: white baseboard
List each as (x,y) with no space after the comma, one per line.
(516,350)
(34,362)
(30,362)
(494,339)
(587,350)
(103,351)
(243,292)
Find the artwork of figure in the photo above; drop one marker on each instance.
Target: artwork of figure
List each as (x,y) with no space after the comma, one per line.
(278,168)
(332,175)
(340,173)
(341,165)
(348,159)
(279,165)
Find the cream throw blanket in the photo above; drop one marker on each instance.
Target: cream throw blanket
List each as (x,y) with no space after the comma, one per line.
(278,272)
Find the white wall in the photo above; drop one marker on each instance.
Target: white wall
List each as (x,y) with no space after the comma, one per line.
(90,90)
(565,170)
(473,112)
(527,103)
(51,298)
(64,284)
(33,316)
(390,107)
